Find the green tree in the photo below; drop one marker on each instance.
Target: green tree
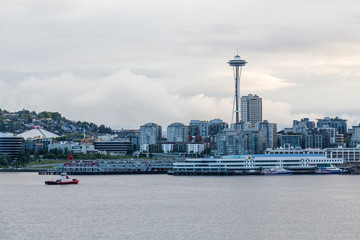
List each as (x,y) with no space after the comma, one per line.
(56,116)
(23,158)
(44,115)
(37,157)
(4,160)
(103,129)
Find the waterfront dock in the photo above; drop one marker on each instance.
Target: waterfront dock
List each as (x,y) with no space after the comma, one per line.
(57,172)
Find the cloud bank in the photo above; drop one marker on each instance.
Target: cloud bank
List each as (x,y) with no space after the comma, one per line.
(131,62)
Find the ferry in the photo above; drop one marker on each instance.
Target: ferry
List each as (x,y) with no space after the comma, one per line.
(276,171)
(328,170)
(64,179)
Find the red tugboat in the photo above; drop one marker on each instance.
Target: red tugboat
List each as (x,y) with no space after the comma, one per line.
(65,179)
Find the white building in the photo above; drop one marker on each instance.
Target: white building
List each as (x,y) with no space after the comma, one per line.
(349,155)
(82,148)
(107,137)
(195,148)
(73,147)
(144,147)
(167,147)
(36,133)
(251,109)
(62,146)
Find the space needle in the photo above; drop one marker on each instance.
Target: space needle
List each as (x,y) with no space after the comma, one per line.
(237,63)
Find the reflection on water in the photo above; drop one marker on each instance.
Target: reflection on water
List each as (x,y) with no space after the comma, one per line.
(180,207)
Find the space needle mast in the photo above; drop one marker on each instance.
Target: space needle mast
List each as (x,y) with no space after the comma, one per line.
(237,63)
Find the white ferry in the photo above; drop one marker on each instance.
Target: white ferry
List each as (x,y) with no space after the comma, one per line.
(276,171)
(328,169)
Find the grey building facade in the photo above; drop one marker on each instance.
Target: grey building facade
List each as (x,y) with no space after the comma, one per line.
(177,132)
(150,133)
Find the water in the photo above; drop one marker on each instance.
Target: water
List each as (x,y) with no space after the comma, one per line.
(180,207)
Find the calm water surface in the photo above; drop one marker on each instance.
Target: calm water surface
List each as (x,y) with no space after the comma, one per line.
(180,207)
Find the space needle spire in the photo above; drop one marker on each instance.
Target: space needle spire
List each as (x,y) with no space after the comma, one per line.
(237,63)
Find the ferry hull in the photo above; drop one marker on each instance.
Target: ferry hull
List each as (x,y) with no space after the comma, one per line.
(328,172)
(278,173)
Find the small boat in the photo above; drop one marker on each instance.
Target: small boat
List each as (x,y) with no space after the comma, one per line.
(275,171)
(65,179)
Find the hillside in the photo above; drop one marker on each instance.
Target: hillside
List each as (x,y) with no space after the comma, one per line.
(21,121)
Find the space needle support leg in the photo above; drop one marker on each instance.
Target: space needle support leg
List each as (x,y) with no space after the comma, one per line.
(237,94)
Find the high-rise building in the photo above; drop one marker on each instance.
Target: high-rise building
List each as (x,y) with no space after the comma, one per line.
(215,126)
(230,142)
(355,138)
(303,126)
(150,133)
(177,132)
(356,133)
(337,123)
(251,109)
(198,128)
(205,128)
(234,141)
(269,133)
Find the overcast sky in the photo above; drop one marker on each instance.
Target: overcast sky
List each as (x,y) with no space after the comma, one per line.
(126,63)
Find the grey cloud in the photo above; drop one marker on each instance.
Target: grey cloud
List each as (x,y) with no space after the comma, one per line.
(177,52)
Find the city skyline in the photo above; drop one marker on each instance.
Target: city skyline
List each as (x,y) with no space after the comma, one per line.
(127,64)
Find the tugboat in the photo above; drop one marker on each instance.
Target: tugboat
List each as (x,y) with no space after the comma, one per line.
(65,179)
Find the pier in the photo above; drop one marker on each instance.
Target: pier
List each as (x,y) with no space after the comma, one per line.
(57,172)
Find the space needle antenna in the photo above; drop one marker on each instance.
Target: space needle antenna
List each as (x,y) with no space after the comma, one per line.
(237,63)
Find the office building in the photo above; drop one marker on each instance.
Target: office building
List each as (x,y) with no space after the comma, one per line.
(118,147)
(10,145)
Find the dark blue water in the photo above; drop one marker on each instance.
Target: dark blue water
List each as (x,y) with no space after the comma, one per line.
(180,207)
